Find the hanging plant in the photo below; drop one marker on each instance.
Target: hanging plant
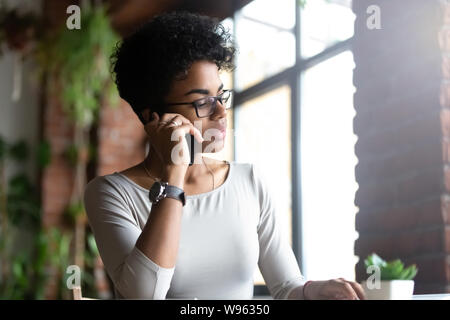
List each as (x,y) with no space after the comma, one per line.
(79,62)
(27,251)
(76,66)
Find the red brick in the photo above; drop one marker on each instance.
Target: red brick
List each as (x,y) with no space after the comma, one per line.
(121,138)
(402,243)
(385,114)
(445,123)
(446,209)
(445,151)
(447,241)
(407,217)
(447,178)
(446,64)
(388,141)
(411,160)
(425,184)
(444,39)
(371,195)
(447,270)
(431,268)
(445,95)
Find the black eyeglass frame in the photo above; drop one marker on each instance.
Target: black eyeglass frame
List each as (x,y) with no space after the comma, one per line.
(213,109)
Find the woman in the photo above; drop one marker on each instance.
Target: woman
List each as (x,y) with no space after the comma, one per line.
(204,228)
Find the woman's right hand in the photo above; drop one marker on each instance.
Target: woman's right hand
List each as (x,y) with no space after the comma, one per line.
(339,289)
(165,136)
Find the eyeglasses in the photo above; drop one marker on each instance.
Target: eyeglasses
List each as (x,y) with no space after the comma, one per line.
(206,106)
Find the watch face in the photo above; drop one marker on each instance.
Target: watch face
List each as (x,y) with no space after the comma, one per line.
(155,191)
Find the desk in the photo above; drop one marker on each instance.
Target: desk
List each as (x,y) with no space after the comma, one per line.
(440,296)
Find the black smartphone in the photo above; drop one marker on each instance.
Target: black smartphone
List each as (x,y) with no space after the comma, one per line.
(192,146)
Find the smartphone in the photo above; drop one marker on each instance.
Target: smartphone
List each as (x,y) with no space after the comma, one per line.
(193,146)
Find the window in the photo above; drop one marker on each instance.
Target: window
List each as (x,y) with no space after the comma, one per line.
(328,162)
(325,23)
(294,80)
(260,127)
(265,40)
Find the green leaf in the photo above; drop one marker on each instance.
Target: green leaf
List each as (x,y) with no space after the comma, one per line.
(374,260)
(3,149)
(81,61)
(71,154)
(409,273)
(23,206)
(396,267)
(44,154)
(392,270)
(17,269)
(19,151)
(73,211)
(92,244)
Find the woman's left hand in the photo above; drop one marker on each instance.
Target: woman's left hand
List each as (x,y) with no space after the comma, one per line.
(334,289)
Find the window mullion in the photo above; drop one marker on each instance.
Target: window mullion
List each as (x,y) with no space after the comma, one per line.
(296,145)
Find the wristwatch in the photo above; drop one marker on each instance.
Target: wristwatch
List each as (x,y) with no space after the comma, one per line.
(161,190)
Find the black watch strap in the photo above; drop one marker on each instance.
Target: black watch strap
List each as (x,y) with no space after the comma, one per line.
(176,193)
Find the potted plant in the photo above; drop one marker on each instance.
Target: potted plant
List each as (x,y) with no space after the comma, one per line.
(388,280)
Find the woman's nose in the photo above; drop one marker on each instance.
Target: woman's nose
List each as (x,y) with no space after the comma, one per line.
(220,110)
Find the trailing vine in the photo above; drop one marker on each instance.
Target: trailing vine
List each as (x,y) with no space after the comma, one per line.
(75,64)
(27,250)
(77,61)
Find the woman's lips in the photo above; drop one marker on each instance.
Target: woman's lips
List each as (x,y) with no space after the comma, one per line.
(219,133)
(224,133)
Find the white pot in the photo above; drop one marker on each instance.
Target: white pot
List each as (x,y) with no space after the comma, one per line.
(389,290)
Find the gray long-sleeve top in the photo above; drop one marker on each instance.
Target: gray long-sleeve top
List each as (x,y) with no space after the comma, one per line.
(226,234)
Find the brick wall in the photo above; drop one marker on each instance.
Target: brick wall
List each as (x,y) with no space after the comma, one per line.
(57,178)
(121,139)
(402,77)
(120,144)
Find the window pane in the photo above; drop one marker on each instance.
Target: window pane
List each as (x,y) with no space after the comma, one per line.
(263,137)
(328,162)
(324,23)
(263,49)
(280,13)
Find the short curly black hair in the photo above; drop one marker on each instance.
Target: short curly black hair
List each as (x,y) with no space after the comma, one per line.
(146,63)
